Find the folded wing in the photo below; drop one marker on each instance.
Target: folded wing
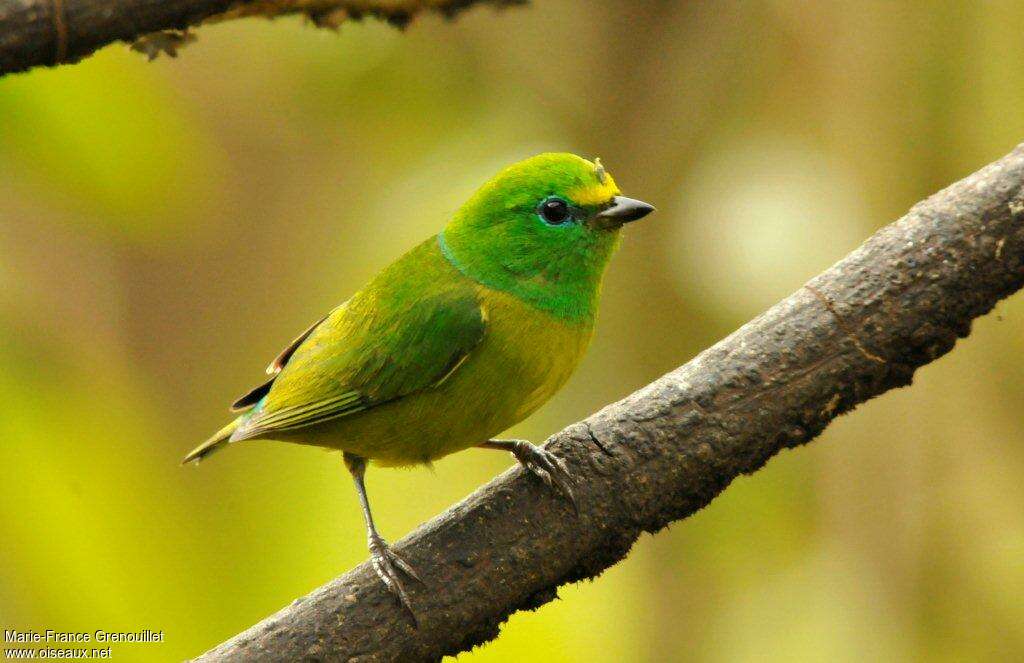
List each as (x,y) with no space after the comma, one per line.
(362,354)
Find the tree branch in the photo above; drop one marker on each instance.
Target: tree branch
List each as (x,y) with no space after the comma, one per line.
(51,32)
(855,331)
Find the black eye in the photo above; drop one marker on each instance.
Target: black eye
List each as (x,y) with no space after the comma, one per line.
(554,211)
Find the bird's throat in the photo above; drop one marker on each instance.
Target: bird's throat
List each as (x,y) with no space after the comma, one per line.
(567,289)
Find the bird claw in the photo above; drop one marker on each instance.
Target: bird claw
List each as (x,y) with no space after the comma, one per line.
(546,465)
(387,564)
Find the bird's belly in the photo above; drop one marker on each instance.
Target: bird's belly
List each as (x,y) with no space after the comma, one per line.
(525,357)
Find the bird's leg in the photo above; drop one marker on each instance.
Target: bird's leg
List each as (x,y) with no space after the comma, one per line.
(385,562)
(540,461)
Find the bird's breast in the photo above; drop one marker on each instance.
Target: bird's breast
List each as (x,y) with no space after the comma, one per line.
(528,350)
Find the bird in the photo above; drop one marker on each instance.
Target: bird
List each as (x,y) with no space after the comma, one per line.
(459,339)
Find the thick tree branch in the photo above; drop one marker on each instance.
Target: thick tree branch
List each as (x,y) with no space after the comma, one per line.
(51,32)
(855,331)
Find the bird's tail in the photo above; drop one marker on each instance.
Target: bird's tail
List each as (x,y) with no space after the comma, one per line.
(215,442)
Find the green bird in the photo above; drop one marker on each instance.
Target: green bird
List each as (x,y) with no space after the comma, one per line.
(462,337)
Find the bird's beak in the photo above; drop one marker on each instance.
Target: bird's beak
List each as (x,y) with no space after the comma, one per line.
(622,210)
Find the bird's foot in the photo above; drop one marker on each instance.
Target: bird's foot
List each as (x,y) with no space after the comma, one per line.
(387,564)
(546,465)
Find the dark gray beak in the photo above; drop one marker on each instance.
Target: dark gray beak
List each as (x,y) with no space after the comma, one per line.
(623,210)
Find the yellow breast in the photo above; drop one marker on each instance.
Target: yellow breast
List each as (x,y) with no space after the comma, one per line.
(538,351)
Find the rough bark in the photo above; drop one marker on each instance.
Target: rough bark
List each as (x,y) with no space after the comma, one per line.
(51,32)
(855,331)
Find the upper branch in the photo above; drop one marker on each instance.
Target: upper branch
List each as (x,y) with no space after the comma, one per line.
(855,331)
(51,32)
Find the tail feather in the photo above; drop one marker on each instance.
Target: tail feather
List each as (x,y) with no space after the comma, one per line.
(215,442)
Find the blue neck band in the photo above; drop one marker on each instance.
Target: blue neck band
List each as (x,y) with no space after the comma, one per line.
(449,256)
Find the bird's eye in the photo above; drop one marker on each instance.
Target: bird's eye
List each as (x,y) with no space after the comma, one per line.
(554,211)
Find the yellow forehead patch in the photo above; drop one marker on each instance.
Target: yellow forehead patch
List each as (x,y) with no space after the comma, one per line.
(600,191)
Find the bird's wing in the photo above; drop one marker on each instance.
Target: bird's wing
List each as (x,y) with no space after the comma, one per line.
(281,359)
(365,354)
(253,396)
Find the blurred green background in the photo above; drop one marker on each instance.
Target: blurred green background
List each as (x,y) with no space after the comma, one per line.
(166,228)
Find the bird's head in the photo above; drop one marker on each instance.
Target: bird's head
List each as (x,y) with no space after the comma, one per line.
(543,229)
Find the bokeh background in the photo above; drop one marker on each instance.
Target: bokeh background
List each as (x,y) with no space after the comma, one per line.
(166,227)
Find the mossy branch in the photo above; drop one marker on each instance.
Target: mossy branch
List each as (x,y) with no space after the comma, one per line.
(53,32)
(853,332)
